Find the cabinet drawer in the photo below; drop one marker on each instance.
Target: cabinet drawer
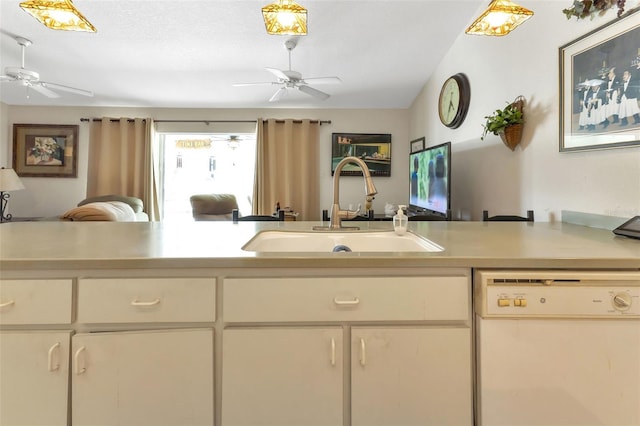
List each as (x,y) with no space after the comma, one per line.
(151,300)
(35,301)
(347,299)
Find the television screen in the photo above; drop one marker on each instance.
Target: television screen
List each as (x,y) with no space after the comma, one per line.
(429,187)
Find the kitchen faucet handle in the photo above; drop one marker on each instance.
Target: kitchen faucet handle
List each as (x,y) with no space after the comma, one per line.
(349,214)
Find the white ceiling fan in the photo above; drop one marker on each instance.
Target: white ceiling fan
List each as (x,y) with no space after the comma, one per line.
(31,79)
(290,79)
(233,141)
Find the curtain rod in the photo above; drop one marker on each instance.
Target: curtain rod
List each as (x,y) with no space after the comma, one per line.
(321,122)
(205,121)
(176,121)
(113,120)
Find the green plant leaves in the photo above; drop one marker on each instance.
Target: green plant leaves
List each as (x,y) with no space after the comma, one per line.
(500,119)
(591,8)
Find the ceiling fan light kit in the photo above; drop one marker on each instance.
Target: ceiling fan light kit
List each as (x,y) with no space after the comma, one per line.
(285,17)
(58,15)
(500,18)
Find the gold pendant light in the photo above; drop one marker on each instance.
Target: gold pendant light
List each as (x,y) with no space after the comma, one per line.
(285,17)
(58,15)
(500,18)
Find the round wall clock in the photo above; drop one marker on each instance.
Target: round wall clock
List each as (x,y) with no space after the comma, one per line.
(453,103)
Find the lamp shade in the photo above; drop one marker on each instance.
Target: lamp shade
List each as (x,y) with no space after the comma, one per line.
(58,15)
(500,18)
(9,180)
(285,17)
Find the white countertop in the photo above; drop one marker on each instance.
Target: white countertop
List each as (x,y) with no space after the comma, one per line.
(63,245)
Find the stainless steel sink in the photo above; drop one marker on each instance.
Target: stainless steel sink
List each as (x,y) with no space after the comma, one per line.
(356,241)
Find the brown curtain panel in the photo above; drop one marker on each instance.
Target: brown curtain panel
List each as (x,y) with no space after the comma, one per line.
(287,170)
(121,161)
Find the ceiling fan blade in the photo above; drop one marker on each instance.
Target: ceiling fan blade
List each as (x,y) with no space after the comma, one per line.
(323,80)
(313,92)
(43,90)
(260,83)
(278,73)
(66,88)
(279,94)
(6,78)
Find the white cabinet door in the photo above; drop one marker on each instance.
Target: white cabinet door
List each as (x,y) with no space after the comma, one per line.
(411,376)
(282,376)
(141,378)
(34,378)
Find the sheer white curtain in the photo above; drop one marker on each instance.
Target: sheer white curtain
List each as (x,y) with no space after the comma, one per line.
(121,161)
(287,170)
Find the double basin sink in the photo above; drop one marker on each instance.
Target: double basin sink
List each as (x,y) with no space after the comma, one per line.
(339,241)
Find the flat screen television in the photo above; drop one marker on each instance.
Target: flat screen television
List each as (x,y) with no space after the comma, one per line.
(430,183)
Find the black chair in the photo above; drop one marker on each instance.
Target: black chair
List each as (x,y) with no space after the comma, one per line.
(235,216)
(507,218)
(368,216)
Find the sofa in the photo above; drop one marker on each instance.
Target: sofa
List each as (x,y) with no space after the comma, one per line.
(112,208)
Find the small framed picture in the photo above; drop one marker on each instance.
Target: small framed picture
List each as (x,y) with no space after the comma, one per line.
(45,150)
(417,145)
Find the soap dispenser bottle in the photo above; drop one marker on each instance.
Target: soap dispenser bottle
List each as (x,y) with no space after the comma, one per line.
(400,221)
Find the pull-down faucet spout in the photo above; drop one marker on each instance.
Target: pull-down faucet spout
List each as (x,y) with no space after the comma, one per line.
(370,190)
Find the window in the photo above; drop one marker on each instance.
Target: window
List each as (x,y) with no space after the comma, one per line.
(205,163)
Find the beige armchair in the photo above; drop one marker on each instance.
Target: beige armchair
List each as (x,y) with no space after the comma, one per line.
(213,206)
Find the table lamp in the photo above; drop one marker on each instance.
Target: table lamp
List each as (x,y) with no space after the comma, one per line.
(9,181)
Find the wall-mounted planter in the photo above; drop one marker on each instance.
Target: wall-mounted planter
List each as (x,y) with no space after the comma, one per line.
(512,136)
(507,123)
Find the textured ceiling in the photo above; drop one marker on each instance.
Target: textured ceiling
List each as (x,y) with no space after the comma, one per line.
(188,53)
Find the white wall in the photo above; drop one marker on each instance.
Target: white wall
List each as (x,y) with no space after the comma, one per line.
(486,174)
(53,196)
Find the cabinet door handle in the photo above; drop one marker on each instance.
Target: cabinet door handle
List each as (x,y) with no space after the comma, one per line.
(351,302)
(137,302)
(50,365)
(333,351)
(5,304)
(363,352)
(79,370)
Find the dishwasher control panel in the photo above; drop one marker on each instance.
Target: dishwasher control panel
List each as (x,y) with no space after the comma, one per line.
(562,301)
(571,295)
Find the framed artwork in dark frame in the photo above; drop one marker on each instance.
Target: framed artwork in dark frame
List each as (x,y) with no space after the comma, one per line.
(45,150)
(417,144)
(373,148)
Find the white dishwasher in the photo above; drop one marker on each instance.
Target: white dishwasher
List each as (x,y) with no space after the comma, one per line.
(557,348)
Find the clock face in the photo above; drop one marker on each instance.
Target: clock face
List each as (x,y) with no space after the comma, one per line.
(454,101)
(449,101)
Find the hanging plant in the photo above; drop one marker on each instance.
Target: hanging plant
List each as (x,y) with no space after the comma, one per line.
(506,123)
(501,119)
(590,8)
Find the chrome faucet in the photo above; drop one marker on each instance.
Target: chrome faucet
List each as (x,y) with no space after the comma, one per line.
(370,189)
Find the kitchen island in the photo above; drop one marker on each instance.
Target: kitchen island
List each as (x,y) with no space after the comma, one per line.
(149,323)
